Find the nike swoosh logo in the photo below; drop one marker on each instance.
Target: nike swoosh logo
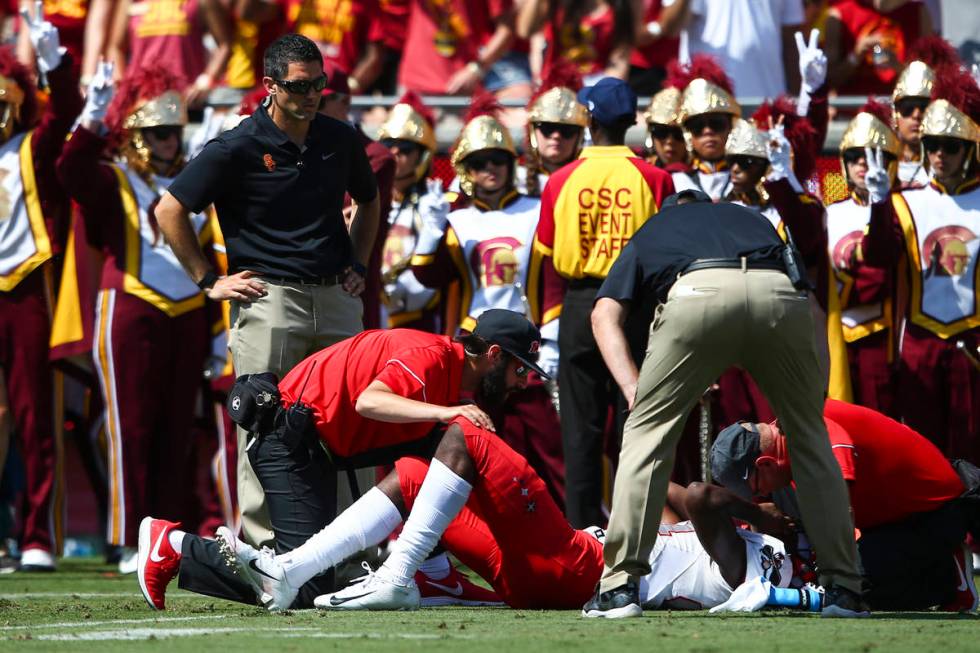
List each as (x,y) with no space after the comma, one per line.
(336,600)
(155,551)
(455,591)
(251,563)
(327,156)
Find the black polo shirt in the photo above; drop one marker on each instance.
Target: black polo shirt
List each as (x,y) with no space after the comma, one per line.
(676,237)
(280,209)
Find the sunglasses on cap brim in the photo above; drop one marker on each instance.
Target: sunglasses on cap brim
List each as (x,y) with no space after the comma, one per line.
(715,123)
(564,131)
(303,86)
(480,160)
(932,144)
(907,106)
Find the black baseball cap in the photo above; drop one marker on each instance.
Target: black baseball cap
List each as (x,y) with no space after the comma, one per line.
(514,333)
(733,457)
(610,100)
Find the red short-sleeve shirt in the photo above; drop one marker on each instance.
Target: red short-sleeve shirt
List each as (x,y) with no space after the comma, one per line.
(893,472)
(414,364)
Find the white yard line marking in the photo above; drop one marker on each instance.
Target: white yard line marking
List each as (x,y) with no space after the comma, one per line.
(114,622)
(278,632)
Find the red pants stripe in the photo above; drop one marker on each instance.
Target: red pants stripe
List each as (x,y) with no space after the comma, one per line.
(149,367)
(512,533)
(35,406)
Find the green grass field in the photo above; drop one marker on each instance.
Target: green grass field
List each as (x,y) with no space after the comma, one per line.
(88,607)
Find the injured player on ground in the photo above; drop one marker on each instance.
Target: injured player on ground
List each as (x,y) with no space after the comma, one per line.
(515,537)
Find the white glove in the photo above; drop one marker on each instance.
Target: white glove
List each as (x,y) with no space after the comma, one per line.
(876,178)
(781,158)
(44,38)
(813,69)
(99,94)
(548,358)
(434,210)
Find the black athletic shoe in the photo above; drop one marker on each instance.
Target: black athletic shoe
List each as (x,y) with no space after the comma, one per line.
(842,602)
(624,601)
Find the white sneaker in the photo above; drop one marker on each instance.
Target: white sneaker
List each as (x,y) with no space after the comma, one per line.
(129,561)
(260,568)
(36,560)
(375,591)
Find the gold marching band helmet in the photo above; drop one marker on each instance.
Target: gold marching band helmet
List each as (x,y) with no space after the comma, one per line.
(915,81)
(12,97)
(406,123)
(664,109)
(702,96)
(165,110)
(482,132)
(955,107)
(943,118)
(746,139)
(560,105)
(869,129)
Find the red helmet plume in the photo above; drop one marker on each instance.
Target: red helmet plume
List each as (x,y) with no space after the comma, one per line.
(933,51)
(702,66)
(483,103)
(957,86)
(878,110)
(563,74)
(414,100)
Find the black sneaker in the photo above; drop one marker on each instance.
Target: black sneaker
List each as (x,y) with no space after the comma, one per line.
(843,603)
(624,601)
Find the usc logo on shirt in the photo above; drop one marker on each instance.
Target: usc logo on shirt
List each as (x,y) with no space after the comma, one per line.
(494,261)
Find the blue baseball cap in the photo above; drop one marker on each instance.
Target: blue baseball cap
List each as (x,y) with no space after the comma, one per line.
(610,100)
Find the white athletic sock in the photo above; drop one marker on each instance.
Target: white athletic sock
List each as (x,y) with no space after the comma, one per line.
(365,523)
(176,539)
(437,567)
(440,499)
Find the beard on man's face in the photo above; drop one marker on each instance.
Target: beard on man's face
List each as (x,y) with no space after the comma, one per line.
(493,386)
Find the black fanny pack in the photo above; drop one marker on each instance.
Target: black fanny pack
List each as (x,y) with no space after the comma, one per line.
(254,401)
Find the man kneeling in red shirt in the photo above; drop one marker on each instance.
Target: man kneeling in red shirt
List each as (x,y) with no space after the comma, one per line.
(903,495)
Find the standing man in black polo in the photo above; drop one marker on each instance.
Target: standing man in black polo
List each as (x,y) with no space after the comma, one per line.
(296,271)
(730,293)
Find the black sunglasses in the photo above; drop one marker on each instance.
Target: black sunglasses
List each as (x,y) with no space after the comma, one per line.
(163,132)
(480,160)
(950,146)
(565,131)
(663,132)
(303,86)
(402,145)
(855,154)
(715,123)
(907,105)
(745,161)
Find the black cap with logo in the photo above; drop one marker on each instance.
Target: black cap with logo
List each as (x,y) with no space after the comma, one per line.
(513,333)
(733,457)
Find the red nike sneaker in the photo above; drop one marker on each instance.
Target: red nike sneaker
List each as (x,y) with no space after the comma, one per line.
(454,589)
(156,561)
(966,589)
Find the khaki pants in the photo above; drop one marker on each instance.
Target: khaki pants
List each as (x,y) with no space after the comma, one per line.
(273,334)
(714,319)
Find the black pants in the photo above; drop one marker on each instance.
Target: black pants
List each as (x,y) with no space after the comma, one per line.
(301,492)
(586,392)
(909,565)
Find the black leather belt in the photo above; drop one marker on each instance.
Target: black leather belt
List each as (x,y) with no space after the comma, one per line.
(332,280)
(734,263)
